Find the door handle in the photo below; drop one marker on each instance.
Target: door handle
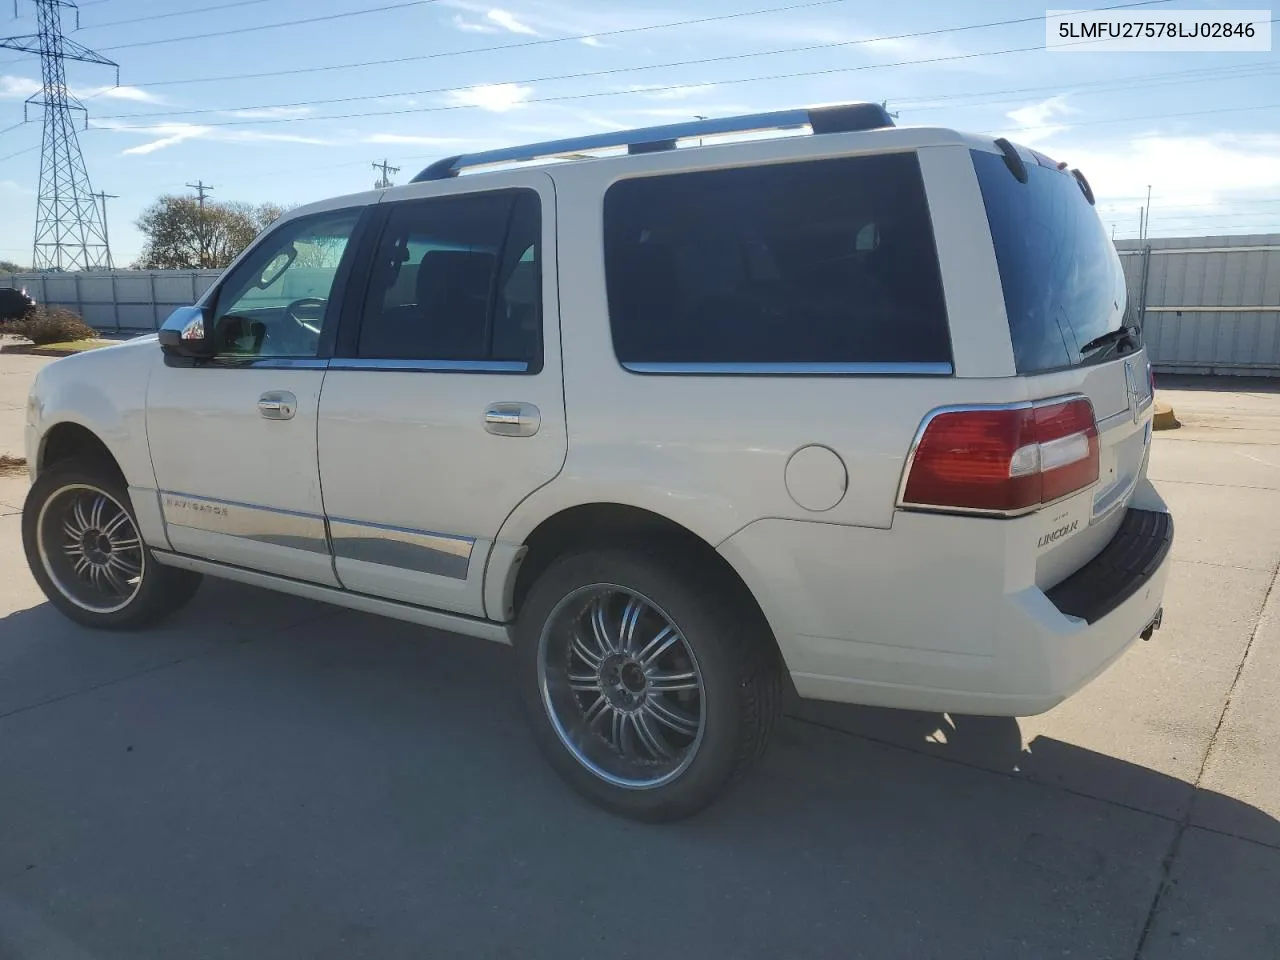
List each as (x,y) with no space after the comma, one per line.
(512,419)
(278,405)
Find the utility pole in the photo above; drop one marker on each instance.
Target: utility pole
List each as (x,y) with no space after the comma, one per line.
(103,198)
(70,234)
(384,181)
(1147,227)
(201,188)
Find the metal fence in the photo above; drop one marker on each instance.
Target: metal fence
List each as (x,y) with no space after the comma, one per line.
(1209,304)
(116,299)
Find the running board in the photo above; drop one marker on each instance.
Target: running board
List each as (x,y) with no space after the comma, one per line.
(450,622)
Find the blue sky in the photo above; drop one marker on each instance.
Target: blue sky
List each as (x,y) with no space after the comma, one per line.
(261,139)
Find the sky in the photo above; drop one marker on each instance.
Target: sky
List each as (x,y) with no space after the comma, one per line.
(282,100)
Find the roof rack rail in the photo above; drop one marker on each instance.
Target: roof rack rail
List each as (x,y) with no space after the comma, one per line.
(844,118)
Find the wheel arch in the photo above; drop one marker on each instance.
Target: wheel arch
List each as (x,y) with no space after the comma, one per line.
(71,441)
(611,524)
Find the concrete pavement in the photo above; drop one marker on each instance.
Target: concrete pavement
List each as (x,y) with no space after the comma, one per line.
(267,777)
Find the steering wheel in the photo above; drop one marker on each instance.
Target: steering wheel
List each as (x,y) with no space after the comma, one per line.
(312,313)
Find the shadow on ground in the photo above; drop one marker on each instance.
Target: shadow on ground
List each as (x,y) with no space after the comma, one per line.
(271,778)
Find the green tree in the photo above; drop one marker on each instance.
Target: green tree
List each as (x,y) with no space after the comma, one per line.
(182,234)
(8,266)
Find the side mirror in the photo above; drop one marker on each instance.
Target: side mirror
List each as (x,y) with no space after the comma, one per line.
(186,333)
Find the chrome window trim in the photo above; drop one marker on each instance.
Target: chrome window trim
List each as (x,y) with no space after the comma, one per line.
(232,362)
(430,366)
(793,369)
(903,504)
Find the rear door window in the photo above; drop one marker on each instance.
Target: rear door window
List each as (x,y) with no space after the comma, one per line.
(457,279)
(825,262)
(1064,289)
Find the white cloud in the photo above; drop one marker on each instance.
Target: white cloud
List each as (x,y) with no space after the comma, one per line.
(412,138)
(1185,172)
(472,26)
(12,87)
(659,92)
(19,88)
(591,42)
(496,97)
(132,94)
(271,113)
(1036,121)
(164,135)
(508,21)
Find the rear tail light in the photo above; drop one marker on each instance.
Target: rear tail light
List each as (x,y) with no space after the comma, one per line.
(1002,460)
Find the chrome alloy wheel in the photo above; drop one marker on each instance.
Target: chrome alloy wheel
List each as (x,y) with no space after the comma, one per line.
(621,686)
(90,548)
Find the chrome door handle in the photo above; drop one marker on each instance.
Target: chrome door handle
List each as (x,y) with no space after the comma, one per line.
(512,419)
(278,405)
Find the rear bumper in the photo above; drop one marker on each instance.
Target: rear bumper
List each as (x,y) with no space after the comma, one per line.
(890,618)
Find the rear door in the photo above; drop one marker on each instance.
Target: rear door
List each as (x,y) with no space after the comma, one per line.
(1073,330)
(443,408)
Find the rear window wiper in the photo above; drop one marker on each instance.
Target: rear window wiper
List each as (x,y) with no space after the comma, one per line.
(1125,336)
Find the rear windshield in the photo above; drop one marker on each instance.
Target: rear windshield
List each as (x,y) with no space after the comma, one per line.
(1063,285)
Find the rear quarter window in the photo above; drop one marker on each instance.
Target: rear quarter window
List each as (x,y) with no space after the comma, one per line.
(820,262)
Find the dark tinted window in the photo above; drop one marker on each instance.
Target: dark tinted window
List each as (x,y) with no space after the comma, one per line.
(828,261)
(1063,284)
(456,278)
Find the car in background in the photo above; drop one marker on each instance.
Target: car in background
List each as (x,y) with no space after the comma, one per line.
(15,304)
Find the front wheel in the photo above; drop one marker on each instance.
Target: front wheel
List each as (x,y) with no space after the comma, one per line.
(85,551)
(646,685)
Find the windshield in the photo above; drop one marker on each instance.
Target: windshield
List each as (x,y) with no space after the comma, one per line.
(1064,289)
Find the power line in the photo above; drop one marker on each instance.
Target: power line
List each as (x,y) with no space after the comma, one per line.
(272,26)
(174,13)
(10,156)
(630,30)
(685,86)
(1220,73)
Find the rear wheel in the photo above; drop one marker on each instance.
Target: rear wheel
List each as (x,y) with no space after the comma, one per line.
(647,688)
(84,548)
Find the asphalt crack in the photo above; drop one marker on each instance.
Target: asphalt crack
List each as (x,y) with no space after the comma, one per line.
(1184,822)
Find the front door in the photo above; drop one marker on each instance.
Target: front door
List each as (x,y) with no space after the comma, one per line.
(444,408)
(233,439)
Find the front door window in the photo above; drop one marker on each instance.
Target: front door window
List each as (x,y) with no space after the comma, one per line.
(278,299)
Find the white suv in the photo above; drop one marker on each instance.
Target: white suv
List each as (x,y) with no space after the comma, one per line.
(862,411)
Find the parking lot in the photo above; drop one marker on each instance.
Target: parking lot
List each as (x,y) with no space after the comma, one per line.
(269,777)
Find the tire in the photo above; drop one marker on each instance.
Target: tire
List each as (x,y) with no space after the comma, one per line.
(720,670)
(82,544)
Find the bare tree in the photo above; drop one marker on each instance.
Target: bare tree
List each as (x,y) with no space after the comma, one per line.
(182,234)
